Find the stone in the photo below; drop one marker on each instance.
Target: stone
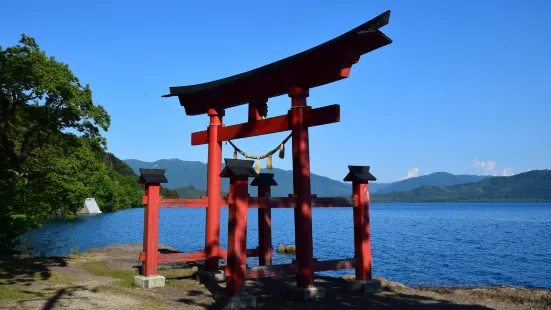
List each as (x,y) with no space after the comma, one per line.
(365,286)
(306,293)
(149,281)
(210,276)
(242,301)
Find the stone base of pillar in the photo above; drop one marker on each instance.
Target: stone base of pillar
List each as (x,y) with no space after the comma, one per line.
(308,293)
(243,301)
(365,286)
(210,276)
(149,281)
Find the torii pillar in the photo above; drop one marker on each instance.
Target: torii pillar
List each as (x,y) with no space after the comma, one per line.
(238,171)
(360,177)
(302,189)
(212,228)
(152,178)
(264,181)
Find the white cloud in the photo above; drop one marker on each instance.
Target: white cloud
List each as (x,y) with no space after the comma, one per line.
(507,172)
(489,168)
(477,163)
(413,172)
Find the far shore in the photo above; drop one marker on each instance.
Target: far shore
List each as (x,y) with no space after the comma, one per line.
(103,278)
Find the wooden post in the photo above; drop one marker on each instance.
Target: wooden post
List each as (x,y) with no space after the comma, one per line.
(152,179)
(301,187)
(238,171)
(360,175)
(214,165)
(264,181)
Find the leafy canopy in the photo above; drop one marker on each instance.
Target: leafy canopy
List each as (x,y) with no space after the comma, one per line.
(51,145)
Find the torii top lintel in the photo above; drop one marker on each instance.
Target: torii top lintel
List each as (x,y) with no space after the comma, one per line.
(323,64)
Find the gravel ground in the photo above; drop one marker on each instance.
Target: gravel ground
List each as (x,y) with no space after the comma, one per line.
(102,279)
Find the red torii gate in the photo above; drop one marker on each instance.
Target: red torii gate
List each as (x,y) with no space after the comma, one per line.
(295,75)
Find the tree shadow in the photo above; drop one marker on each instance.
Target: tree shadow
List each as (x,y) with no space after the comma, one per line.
(273,293)
(59,295)
(21,268)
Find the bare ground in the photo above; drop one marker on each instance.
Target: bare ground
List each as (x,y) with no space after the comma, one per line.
(103,279)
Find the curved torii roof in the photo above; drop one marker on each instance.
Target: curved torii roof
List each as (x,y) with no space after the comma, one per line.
(323,64)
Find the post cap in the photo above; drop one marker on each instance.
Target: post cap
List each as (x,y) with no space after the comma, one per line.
(264,179)
(359,173)
(238,168)
(151,176)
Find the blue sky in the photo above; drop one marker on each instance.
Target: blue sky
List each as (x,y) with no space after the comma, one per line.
(464,88)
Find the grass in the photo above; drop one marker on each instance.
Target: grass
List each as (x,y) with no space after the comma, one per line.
(13,292)
(126,277)
(76,252)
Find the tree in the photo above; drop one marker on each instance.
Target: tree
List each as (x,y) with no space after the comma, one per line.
(50,139)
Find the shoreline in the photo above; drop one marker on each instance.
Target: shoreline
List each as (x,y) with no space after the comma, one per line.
(104,278)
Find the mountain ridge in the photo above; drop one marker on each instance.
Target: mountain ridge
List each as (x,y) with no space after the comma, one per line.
(185,174)
(435,179)
(531,186)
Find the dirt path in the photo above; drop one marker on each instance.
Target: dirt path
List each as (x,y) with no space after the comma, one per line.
(103,279)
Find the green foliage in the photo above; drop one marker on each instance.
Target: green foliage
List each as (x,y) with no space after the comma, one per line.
(126,277)
(189,192)
(532,186)
(116,164)
(51,147)
(169,193)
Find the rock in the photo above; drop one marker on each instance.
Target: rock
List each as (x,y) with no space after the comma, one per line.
(289,249)
(385,284)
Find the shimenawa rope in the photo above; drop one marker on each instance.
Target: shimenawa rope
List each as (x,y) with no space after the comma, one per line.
(280,148)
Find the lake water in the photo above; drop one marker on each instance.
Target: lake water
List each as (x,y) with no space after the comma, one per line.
(416,244)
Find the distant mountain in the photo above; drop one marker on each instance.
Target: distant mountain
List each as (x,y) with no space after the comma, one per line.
(435,179)
(193,173)
(124,169)
(532,186)
(189,192)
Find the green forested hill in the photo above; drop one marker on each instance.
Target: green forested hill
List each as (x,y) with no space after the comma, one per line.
(182,173)
(52,152)
(532,186)
(125,170)
(434,179)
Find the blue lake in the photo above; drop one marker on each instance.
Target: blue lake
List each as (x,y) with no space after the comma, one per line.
(416,244)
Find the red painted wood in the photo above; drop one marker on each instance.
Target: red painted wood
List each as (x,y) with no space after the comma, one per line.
(301,188)
(260,202)
(237,237)
(313,117)
(362,234)
(335,264)
(151,230)
(214,166)
(252,252)
(164,258)
(264,229)
(289,269)
(145,227)
(253,111)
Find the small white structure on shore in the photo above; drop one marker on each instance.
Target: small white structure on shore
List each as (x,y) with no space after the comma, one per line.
(90,207)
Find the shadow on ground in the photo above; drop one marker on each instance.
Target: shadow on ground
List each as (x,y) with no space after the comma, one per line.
(272,293)
(26,269)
